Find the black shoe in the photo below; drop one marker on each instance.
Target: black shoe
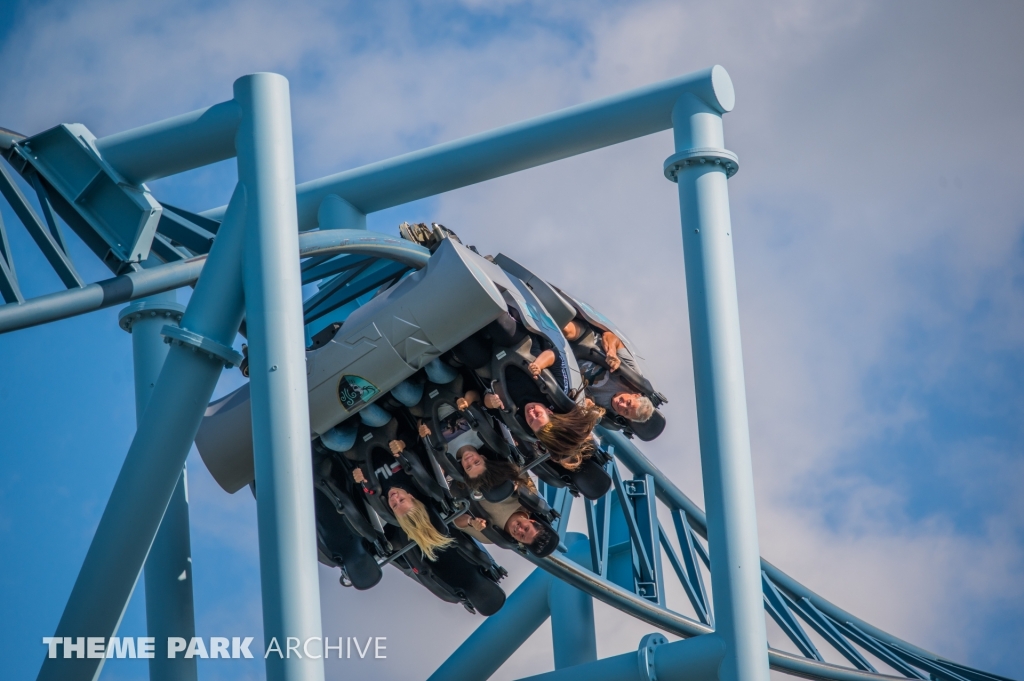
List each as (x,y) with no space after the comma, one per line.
(363,571)
(485,596)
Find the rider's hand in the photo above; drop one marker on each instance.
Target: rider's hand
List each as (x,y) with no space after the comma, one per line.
(478,523)
(535,369)
(358,476)
(424,430)
(492,401)
(611,344)
(462,404)
(397,446)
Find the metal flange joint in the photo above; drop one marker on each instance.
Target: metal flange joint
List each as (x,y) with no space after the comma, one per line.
(148,308)
(217,351)
(645,656)
(727,160)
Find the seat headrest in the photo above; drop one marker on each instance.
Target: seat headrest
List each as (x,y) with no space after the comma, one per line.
(591,480)
(545,543)
(649,429)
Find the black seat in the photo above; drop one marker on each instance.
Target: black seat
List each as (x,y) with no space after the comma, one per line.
(346,548)
(591,479)
(649,429)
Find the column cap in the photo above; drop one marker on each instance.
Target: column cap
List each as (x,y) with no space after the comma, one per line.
(149,308)
(719,157)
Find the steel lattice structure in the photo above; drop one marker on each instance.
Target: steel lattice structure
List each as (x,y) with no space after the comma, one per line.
(245,262)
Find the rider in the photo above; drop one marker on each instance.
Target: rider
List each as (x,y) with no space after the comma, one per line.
(485,473)
(564,430)
(419,522)
(604,385)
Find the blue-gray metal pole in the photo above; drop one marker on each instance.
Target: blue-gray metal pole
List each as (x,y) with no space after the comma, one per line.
(701,166)
(538,597)
(154,461)
(573,638)
(134,285)
(695,659)
(175,145)
(168,572)
(277,370)
(503,151)
(337,213)
(501,634)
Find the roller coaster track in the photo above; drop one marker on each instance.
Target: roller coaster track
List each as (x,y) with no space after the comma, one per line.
(786,600)
(629,547)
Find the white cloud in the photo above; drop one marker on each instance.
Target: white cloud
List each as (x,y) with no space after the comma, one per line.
(878,193)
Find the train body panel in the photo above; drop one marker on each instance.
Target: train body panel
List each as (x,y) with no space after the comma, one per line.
(380,344)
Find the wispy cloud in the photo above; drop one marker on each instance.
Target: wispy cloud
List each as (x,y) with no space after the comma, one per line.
(878,224)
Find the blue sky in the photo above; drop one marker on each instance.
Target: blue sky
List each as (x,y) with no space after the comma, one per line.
(879,231)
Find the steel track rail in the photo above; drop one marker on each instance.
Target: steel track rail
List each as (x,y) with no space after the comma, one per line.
(673,497)
(170,276)
(682,626)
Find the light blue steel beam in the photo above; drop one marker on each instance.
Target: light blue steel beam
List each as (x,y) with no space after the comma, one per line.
(776,606)
(277,371)
(695,659)
(672,496)
(171,146)
(168,573)
(337,213)
(688,545)
(134,285)
(501,634)
(52,251)
(506,150)
(726,468)
(694,590)
(642,558)
(672,622)
(572,612)
(9,289)
(154,461)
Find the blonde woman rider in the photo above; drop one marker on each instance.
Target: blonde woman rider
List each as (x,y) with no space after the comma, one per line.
(422,525)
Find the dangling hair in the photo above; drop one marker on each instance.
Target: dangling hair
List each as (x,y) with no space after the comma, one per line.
(567,436)
(416,523)
(496,471)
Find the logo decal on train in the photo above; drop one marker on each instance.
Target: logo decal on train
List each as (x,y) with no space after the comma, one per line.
(354,391)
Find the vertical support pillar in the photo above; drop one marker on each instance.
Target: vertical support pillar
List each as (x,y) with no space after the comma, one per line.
(501,634)
(168,572)
(277,371)
(155,459)
(701,167)
(539,596)
(572,612)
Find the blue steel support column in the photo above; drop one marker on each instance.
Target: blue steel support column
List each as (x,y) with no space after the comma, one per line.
(572,612)
(277,370)
(695,659)
(154,461)
(701,166)
(541,595)
(501,634)
(168,572)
